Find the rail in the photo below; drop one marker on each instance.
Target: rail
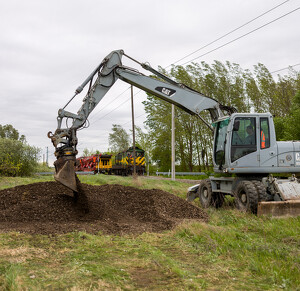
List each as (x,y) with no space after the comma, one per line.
(181,173)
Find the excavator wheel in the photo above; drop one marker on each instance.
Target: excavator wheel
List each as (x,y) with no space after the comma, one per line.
(207,197)
(246,196)
(263,195)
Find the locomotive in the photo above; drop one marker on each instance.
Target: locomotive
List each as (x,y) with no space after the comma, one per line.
(123,163)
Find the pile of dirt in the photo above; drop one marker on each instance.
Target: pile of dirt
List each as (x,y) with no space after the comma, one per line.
(49,208)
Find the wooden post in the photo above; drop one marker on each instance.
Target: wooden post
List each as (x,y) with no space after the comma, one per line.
(133,134)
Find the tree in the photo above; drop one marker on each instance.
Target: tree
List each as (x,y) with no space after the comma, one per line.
(87,152)
(17,158)
(119,139)
(143,140)
(159,125)
(8,131)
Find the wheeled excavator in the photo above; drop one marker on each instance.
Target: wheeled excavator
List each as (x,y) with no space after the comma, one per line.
(245,144)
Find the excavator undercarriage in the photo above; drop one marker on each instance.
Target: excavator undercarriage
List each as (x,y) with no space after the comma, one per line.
(259,195)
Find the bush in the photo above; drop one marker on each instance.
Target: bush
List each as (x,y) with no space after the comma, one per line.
(17,158)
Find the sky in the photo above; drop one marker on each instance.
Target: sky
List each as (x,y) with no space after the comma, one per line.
(48,48)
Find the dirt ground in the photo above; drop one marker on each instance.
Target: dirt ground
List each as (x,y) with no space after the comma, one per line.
(50,208)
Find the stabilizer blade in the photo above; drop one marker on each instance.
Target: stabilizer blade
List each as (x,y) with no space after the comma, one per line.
(279,208)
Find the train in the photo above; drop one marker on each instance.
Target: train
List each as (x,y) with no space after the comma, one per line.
(123,163)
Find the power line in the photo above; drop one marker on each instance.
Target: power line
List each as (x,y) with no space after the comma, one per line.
(210,50)
(110,111)
(227,43)
(234,39)
(135,118)
(110,103)
(221,46)
(248,22)
(115,107)
(285,68)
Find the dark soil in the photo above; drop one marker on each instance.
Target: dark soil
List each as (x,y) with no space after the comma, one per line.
(50,208)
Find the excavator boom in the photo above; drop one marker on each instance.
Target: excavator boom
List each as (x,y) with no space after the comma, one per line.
(107,73)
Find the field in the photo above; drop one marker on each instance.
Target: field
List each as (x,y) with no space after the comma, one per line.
(230,251)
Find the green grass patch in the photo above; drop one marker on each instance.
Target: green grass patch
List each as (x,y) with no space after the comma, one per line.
(9,182)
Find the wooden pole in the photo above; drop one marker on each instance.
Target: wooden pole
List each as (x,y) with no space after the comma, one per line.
(133,133)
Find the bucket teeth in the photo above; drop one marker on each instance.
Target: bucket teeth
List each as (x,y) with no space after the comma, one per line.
(66,175)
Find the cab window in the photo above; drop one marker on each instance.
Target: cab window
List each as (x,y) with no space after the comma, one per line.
(220,141)
(264,133)
(243,139)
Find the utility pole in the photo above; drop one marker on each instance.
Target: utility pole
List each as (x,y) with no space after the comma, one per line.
(148,167)
(133,134)
(173,144)
(47,158)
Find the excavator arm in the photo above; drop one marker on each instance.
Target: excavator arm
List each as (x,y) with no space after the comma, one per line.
(107,73)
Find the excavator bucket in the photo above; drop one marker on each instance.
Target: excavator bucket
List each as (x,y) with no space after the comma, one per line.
(65,173)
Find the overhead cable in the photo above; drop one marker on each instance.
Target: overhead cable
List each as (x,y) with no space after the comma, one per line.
(285,68)
(260,27)
(229,42)
(109,103)
(230,32)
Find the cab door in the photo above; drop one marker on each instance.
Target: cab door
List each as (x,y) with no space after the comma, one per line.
(267,148)
(244,143)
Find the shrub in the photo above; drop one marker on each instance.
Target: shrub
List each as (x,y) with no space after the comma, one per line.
(17,158)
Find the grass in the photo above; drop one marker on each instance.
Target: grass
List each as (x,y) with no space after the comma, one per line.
(234,251)
(8,182)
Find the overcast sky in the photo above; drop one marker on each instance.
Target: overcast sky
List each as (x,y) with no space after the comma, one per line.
(49,47)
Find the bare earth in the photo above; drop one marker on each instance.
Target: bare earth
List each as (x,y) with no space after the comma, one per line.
(50,208)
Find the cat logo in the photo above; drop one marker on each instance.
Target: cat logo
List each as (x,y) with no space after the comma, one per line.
(166,91)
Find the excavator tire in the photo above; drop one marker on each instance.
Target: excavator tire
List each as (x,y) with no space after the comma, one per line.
(246,196)
(263,195)
(207,197)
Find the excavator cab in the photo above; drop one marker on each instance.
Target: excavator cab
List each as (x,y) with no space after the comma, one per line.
(245,143)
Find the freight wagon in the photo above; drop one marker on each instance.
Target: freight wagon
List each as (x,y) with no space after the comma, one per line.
(100,163)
